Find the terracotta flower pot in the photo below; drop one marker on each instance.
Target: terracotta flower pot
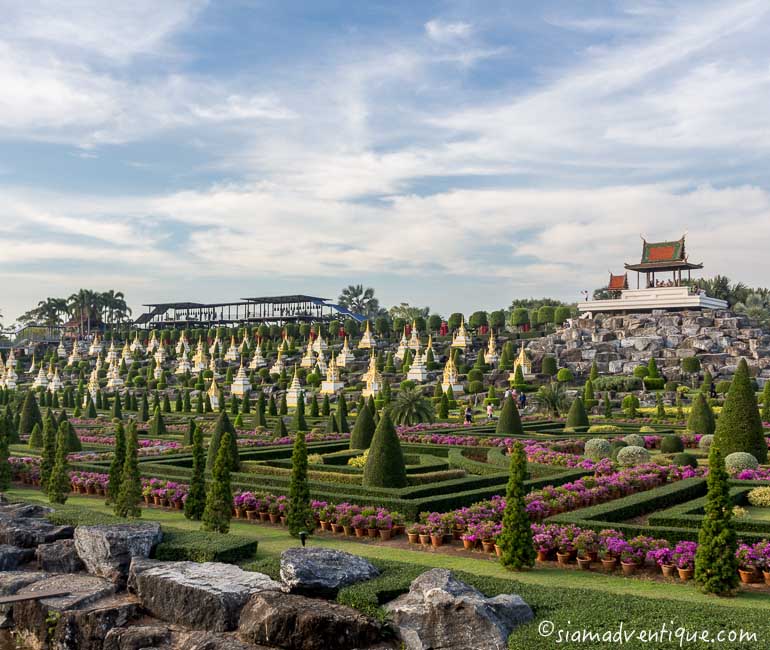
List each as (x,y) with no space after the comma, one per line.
(542,556)
(360,532)
(178,505)
(273,517)
(337,528)
(436,540)
(457,533)
(147,499)
(348,530)
(584,563)
(282,519)
(488,545)
(372,533)
(239,513)
(252,515)
(498,550)
(629,568)
(668,570)
(263,516)
(424,539)
(325,525)
(685,574)
(385,534)
(593,555)
(747,577)
(609,564)
(469,544)
(156,500)
(562,558)
(766,575)
(413,538)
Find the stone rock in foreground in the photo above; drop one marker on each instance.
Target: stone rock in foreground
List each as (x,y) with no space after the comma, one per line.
(318,571)
(28,532)
(86,629)
(13,556)
(441,612)
(138,637)
(10,583)
(107,550)
(206,596)
(59,557)
(21,510)
(209,641)
(299,623)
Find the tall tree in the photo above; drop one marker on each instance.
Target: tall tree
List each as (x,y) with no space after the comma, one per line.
(219,500)
(300,515)
(127,504)
(116,465)
(359,300)
(516,539)
(739,427)
(196,497)
(59,481)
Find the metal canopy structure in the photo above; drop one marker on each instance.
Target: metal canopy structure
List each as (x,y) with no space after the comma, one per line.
(270,310)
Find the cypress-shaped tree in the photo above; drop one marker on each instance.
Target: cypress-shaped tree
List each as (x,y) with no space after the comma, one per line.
(594,371)
(272,409)
(766,402)
(127,503)
(207,408)
(246,403)
(219,500)
(48,456)
(158,425)
(326,408)
(299,423)
(36,437)
(55,400)
(99,403)
(515,541)
(284,408)
(716,568)
(116,465)
(299,516)
(186,404)
(280,428)
(385,464)
(607,406)
(223,425)
(342,415)
(314,406)
(705,387)
(144,411)
(701,419)
(5,466)
(577,418)
(166,407)
(199,403)
(73,441)
(331,424)
(196,495)
(178,403)
(588,395)
(234,410)
(443,406)
(59,481)
(363,430)
(187,440)
(739,427)
(509,423)
(660,409)
(117,408)
(30,415)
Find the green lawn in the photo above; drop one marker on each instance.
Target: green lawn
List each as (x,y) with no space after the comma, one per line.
(274,539)
(760,514)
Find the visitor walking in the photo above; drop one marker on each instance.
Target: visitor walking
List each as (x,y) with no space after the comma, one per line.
(490,411)
(468,415)
(522,400)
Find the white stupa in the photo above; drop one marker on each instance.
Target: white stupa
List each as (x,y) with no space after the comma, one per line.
(491,356)
(320,345)
(136,345)
(308,359)
(278,367)
(241,385)
(61,351)
(367,341)
(182,346)
(33,368)
(93,385)
(114,380)
(200,359)
(461,339)
(160,354)
(320,362)
(183,366)
(294,391)
(418,371)
(345,356)
(41,381)
(372,377)
(333,382)
(257,361)
(56,383)
(96,346)
(232,352)
(213,393)
(414,338)
(403,346)
(152,344)
(126,354)
(74,357)
(449,379)
(213,367)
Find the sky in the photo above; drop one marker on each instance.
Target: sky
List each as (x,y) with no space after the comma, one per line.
(454,154)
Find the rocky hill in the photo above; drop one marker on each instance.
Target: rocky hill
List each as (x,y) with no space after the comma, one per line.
(620,343)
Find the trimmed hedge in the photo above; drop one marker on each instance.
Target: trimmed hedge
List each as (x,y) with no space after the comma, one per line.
(199,546)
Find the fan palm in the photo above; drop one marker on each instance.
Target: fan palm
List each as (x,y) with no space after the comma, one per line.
(552,398)
(411,407)
(359,300)
(755,307)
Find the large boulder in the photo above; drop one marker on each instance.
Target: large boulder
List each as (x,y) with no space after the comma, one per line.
(28,531)
(10,583)
(86,628)
(107,550)
(318,571)
(11,557)
(441,612)
(139,637)
(207,596)
(59,557)
(299,623)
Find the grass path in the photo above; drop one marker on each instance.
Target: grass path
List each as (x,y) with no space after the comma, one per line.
(274,539)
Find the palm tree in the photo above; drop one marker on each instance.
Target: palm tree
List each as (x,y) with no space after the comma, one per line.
(755,307)
(85,305)
(411,407)
(359,300)
(115,309)
(552,398)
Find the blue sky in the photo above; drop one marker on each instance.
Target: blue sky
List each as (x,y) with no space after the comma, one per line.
(451,154)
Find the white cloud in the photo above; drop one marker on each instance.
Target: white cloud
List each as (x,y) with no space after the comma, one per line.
(445,32)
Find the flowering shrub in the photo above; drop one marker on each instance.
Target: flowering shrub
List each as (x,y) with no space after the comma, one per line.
(738,461)
(760,497)
(633,455)
(359,461)
(759,474)
(705,442)
(598,448)
(684,555)
(634,440)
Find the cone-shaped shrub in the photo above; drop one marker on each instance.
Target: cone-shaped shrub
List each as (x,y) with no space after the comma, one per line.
(701,419)
(443,407)
(342,415)
(515,541)
(223,425)
(127,503)
(299,516)
(116,465)
(158,425)
(331,424)
(178,404)
(284,408)
(48,456)
(660,409)
(219,500)
(739,427)
(385,465)
(272,409)
(280,428)
(509,423)
(59,481)
(607,406)
(30,415)
(36,437)
(299,423)
(577,418)
(314,410)
(117,408)
(73,442)
(196,495)
(5,466)
(363,429)
(187,440)
(326,408)
(144,411)
(716,568)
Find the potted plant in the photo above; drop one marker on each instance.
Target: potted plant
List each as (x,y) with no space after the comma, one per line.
(385,526)
(544,545)
(747,564)
(629,560)
(424,535)
(283,503)
(469,541)
(413,533)
(564,548)
(358,522)
(272,512)
(147,493)
(684,557)
(762,553)
(262,505)
(371,526)
(587,546)
(398,523)
(664,558)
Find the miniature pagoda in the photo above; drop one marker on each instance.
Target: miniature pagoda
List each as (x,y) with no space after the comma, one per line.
(257,361)
(182,345)
(159,356)
(55,383)
(41,381)
(183,366)
(429,345)
(61,351)
(112,353)
(126,354)
(232,351)
(449,379)
(213,393)
(294,391)
(461,339)
(136,345)
(10,377)
(418,371)
(10,362)
(414,338)
(213,367)
(200,358)
(372,377)
(308,359)
(114,380)
(491,357)
(367,341)
(96,346)
(521,361)
(278,367)
(99,362)
(92,387)
(74,356)
(345,356)
(403,346)
(157,371)
(333,382)
(320,345)
(152,343)
(241,386)
(320,362)
(49,374)
(243,348)
(33,367)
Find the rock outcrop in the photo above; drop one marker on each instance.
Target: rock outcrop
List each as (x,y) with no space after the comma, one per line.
(318,571)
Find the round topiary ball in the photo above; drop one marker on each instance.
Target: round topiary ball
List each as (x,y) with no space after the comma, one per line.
(634,440)
(615,447)
(738,461)
(760,497)
(597,448)
(705,442)
(684,460)
(633,455)
(671,444)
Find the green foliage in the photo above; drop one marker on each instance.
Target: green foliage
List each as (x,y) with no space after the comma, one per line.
(127,503)
(187,439)
(36,437)
(443,407)
(660,409)
(300,516)
(385,466)
(701,419)
(342,415)
(739,427)
(594,373)
(597,448)
(766,402)
(219,500)
(516,538)
(411,407)
(363,430)
(716,568)
(59,481)
(519,317)
(199,546)
(30,415)
(48,456)
(117,408)
(5,466)
(509,423)
(116,464)
(564,375)
(631,406)
(299,423)
(577,418)
(684,459)
(196,495)
(671,444)
(223,425)
(158,425)
(607,406)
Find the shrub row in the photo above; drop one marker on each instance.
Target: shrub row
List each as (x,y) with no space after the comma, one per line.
(199,546)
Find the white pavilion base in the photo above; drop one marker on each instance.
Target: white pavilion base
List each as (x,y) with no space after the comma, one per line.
(239,389)
(331,387)
(456,388)
(372,388)
(418,374)
(642,300)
